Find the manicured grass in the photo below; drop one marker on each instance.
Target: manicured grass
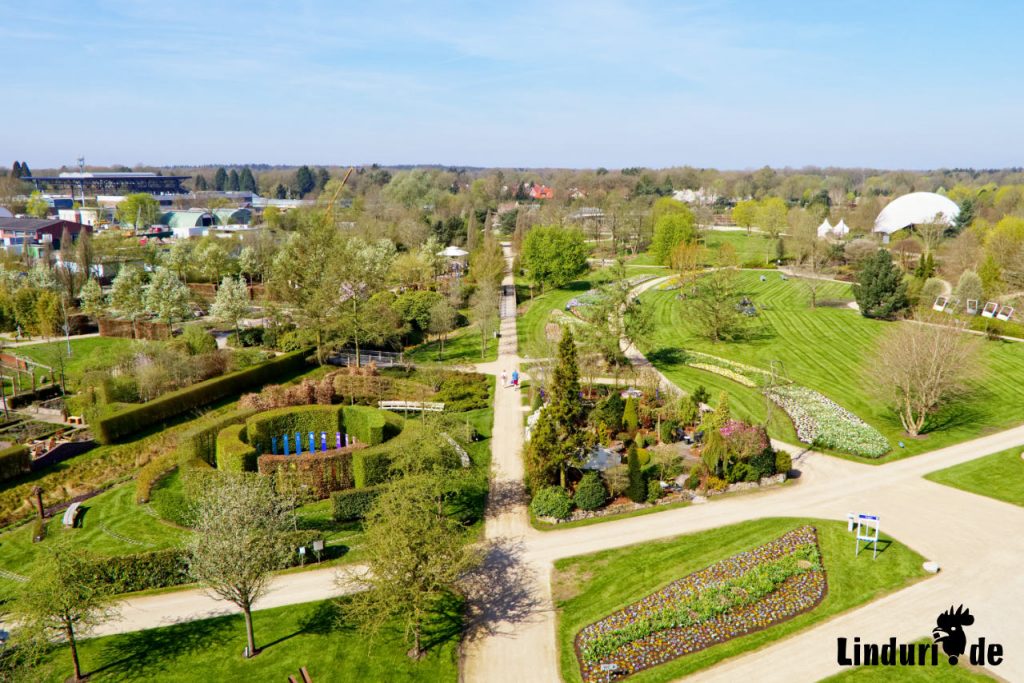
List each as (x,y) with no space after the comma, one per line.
(999,476)
(755,247)
(86,354)
(106,521)
(312,635)
(590,587)
(530,326)
(912,674)
(827,348)
(462,346)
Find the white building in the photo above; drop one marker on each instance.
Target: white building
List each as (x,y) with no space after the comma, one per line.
(916,208)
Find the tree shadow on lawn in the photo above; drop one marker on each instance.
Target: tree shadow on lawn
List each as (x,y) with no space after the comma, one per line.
(667,355)
(136,655)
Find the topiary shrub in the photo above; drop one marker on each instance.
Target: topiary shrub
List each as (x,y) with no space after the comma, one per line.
(552,501)
(653,491)
(590,492)
(353,504)
(609,410)
(668,431)
(234,454)
(783,462)
(764,463)
(14,462)
(637,489)
(630,418)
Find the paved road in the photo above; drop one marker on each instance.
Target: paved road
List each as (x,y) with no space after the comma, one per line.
(164,609)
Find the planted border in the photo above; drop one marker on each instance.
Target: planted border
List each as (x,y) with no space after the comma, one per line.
(747,592)
(821,421)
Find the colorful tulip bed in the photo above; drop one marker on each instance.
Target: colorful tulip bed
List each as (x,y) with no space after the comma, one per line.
(822,422)
(747,592)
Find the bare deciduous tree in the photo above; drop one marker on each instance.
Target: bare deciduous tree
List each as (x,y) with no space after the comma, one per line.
(919,368)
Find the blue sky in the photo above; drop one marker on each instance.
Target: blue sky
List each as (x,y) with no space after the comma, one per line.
(560,83)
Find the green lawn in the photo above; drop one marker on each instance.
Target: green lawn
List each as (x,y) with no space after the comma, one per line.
(827,348)
(999,476)
(312,635)
(590,587)
(530,326)
(86,353)
(912,674)
(109,524)
(752,248)
(462,346)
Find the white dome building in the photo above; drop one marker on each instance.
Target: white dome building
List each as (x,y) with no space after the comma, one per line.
(914,209)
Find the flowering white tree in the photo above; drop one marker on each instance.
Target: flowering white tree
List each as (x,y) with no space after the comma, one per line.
(232,301)
(167,297)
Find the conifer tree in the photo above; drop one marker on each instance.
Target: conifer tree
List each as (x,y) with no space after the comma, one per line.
(16,169)
(637,489)
(559,438)
(220,179)
(233,182)
(880,290)
(247,181)
(26,172)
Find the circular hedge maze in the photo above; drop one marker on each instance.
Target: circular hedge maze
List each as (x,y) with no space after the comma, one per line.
(316,450)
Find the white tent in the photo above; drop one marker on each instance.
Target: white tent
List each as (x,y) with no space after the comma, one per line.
(824,229)
(914,209)
(452,252)
(841,229)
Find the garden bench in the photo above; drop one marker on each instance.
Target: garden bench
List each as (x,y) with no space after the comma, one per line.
(71,514)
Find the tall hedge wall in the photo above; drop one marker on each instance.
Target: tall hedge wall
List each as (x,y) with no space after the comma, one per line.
(365,423)
(264,427)
(201,441)
(14,461)
(352,505)
(197,444)
(233,454)
(131,419)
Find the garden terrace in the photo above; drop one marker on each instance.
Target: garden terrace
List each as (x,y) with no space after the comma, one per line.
(826,349)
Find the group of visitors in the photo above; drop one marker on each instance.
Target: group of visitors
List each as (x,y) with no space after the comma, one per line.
(515,379)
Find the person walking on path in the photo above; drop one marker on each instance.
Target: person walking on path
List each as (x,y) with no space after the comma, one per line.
(504,378)
(515,379)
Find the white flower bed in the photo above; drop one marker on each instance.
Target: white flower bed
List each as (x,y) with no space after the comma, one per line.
(821,421)
(724,372)
(750,375)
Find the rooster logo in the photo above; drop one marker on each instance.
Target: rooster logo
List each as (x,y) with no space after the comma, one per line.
(949,630)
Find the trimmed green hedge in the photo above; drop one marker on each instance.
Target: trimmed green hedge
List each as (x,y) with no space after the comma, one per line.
(366,424)
(264,427)
(353,504)
(134,418)
(201,441)
(14,462)
(233,454)
(144,571)
(372,465)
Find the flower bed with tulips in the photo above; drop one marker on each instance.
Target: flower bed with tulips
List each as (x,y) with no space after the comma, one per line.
(822,422)
(747,592)
(724,372)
